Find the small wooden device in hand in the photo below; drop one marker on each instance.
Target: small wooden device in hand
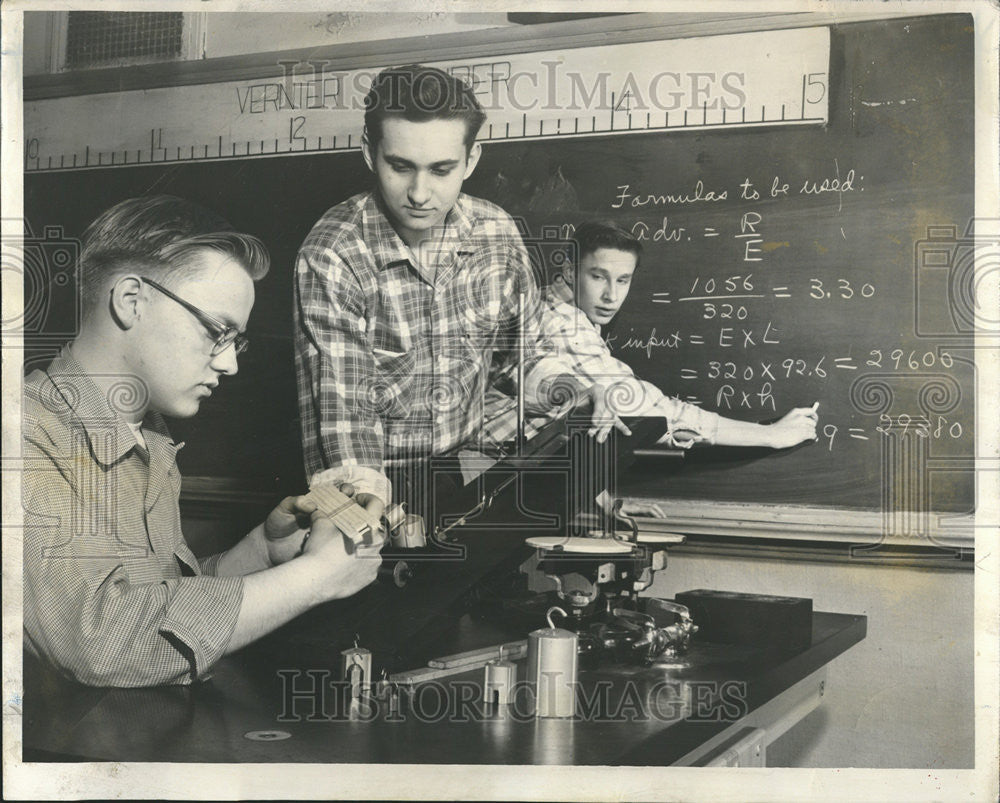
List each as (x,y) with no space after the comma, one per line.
(350,518)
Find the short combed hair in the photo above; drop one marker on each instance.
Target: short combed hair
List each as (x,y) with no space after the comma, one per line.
(595,234)
(160,235)
(419,94)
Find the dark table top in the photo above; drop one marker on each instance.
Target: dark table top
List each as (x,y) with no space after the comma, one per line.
(625,714)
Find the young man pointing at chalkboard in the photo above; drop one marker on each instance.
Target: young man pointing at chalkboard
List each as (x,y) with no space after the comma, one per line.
(586,296)
(413,299)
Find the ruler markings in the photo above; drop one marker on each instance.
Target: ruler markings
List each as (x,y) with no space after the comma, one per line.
(559,131)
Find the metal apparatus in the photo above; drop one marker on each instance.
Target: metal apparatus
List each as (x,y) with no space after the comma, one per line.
(599,579)
(592,565)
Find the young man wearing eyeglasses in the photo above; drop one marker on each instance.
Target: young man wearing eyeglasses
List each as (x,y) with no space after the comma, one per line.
(113,596)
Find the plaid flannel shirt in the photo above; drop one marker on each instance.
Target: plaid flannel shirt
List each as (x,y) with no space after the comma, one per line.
(113,596)
(579,342)
(394,360)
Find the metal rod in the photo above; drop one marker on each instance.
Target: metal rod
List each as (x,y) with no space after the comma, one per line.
(520,373)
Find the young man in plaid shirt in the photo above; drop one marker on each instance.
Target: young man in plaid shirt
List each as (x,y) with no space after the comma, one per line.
(414,299)
(113,595)
(586,296)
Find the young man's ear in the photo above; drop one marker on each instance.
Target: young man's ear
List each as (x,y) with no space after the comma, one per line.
(367,151)
(125,301)
(473,159)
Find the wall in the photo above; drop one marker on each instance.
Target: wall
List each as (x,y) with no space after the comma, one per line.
(258,32)
(903,697)
(234,34)
(36,42)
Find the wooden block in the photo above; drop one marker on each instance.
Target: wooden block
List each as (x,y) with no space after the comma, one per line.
(511,650)
(350,518)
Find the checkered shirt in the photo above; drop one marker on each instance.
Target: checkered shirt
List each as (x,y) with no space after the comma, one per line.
(394,360)
(113,596)
(579,342)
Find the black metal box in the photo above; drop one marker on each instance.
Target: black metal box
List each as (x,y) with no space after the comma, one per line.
(763,620)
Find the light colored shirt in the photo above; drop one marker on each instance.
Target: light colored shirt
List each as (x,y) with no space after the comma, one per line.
(394,358)
(113,595)
(578,341)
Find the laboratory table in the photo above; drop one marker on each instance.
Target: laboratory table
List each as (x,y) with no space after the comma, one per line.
(284,701)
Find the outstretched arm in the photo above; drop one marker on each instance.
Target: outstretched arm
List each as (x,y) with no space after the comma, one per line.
(796,426)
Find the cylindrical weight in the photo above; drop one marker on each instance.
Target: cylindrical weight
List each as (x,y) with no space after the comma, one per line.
(552,670)
(410,534)
(499,681)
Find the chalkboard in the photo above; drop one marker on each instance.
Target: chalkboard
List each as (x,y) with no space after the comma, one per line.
(788,266)
(783,266)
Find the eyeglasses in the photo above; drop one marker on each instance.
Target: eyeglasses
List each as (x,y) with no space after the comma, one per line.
(223,335)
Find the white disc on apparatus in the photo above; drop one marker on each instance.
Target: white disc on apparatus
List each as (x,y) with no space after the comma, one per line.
(662,538)
(649,538)
(589,546)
